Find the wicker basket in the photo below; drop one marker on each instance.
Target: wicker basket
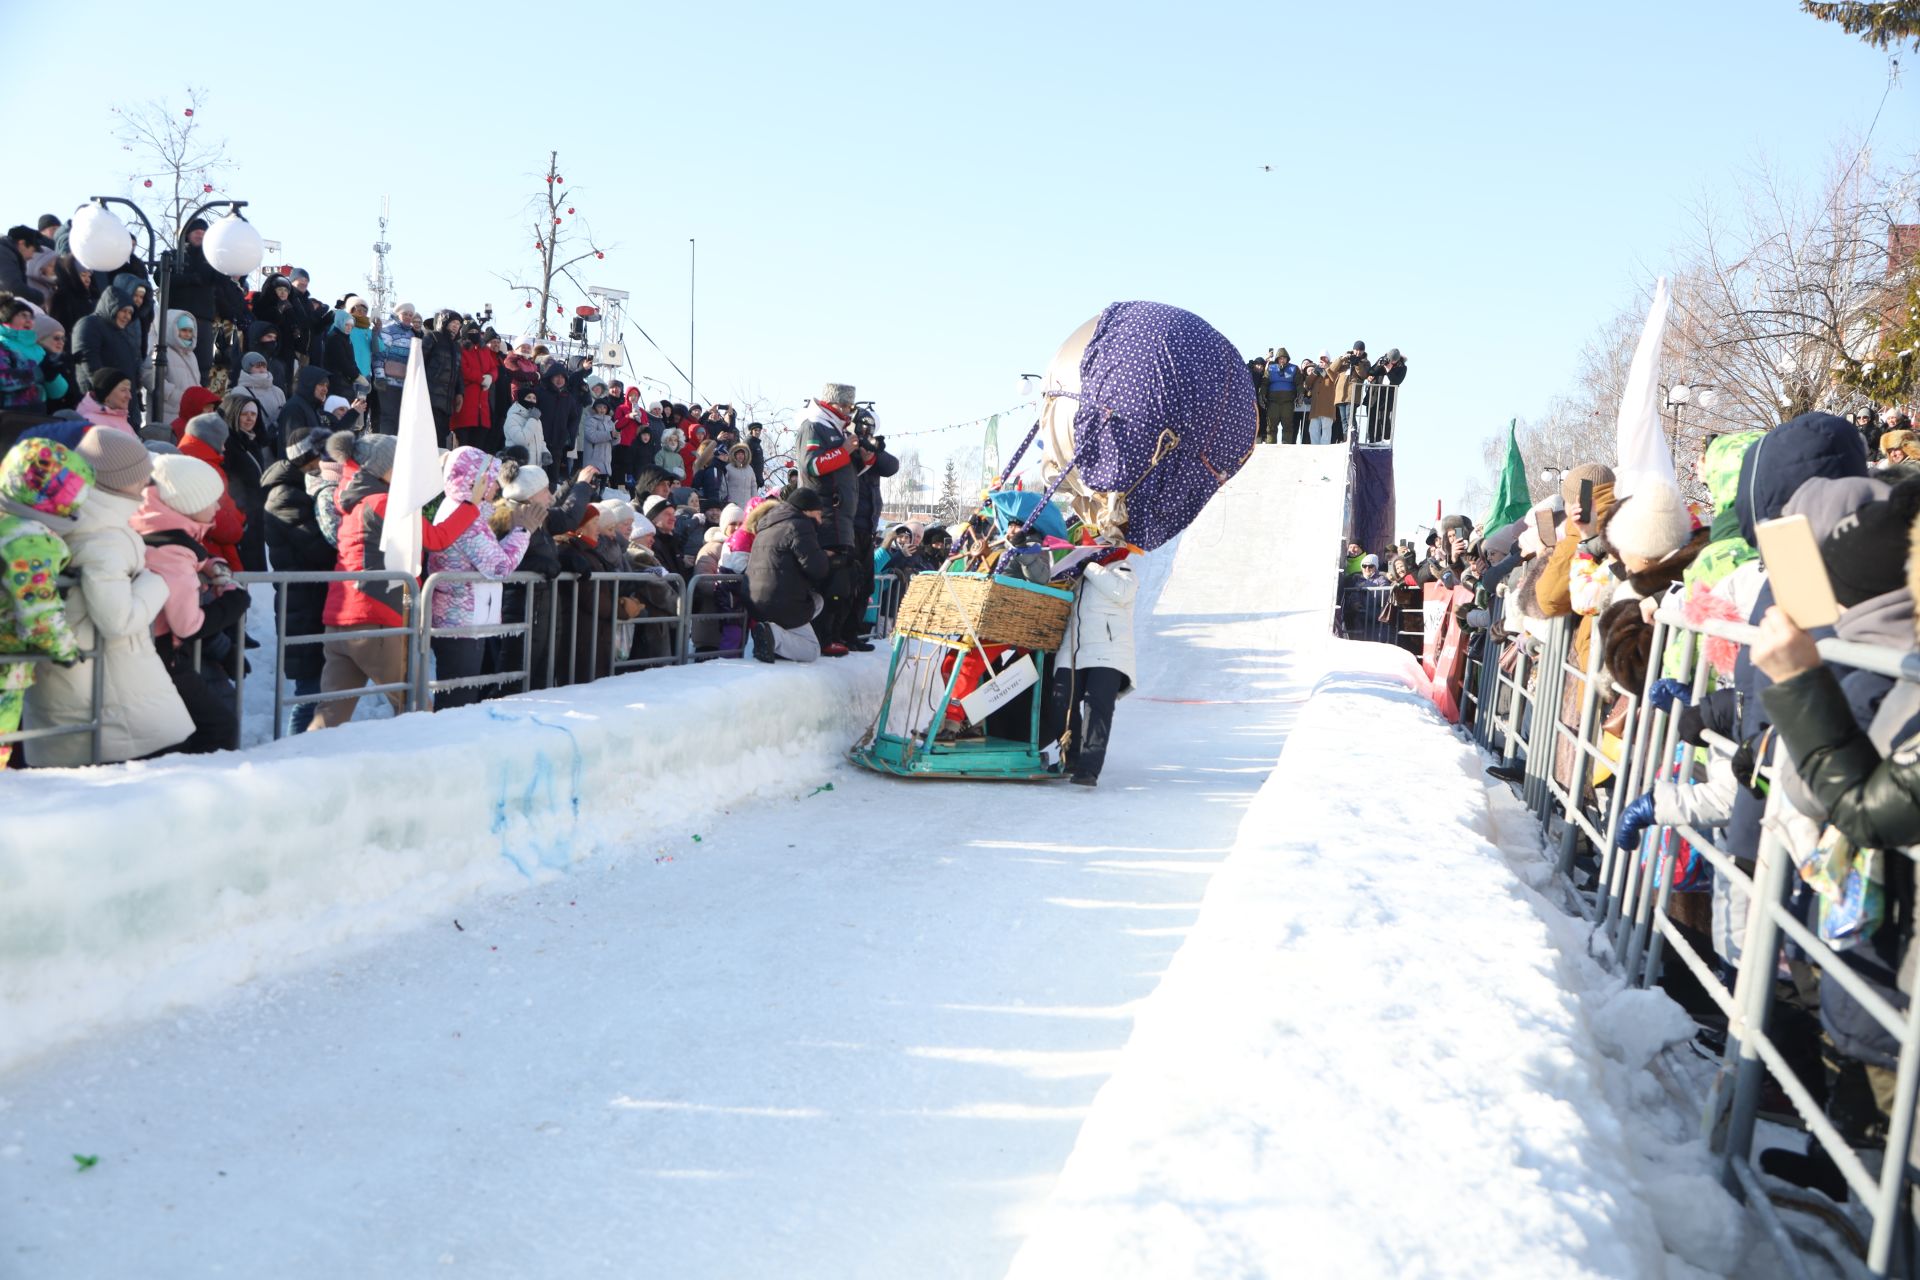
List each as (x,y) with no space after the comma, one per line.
(998,610)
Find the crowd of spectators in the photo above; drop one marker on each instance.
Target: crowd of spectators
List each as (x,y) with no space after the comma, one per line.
(1322,400)
(271,446)
(1847,739)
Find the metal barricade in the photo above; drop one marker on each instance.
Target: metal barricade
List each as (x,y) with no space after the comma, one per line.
(95,697)
(426,631)
(715,618)
(675,624)
(282,698)
(1376,406)
(1632,895)
(888,588)
(1369,613)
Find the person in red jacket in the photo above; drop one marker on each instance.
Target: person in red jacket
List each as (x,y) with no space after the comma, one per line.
(194,401)
(352,661)
(206,439)
(473,421)
(628,418)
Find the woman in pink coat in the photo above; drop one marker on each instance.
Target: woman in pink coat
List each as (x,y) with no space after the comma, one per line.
(174,516)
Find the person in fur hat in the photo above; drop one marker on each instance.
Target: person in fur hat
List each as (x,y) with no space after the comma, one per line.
(1656,536)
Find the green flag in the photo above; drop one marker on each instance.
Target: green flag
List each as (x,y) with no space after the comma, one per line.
(1510,496)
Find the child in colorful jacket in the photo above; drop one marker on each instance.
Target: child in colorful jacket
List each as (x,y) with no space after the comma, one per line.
(470,489)
(41,488)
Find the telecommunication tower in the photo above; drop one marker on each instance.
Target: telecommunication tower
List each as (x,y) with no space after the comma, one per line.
(380,284)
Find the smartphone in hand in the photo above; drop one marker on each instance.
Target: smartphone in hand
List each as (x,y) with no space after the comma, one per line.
(1546,526)
(1796,572)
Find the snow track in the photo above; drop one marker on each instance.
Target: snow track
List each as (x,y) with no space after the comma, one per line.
(734,1024)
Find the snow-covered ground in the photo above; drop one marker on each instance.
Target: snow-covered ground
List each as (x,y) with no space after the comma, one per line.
(727,1022)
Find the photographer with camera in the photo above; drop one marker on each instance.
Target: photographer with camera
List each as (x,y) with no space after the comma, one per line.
(875,464)
(1349,372)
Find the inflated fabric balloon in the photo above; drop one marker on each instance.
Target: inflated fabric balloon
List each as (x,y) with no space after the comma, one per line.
(1152,409)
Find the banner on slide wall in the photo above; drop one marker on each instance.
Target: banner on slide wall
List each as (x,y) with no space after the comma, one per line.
(1443,652)
(1370,521)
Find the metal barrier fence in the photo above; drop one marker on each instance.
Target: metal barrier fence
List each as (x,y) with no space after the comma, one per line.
(1579,746)
(1375,407)
(1369,613)
(14,737)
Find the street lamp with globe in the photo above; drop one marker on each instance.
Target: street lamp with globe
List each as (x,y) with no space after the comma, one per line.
(100,242)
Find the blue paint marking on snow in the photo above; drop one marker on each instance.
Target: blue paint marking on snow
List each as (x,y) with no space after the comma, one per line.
(537,800)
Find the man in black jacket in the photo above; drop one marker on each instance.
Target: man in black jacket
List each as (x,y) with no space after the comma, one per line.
(870,456)
(786,571)
(755,448)
(559,411)
(442,361)
(302,412)
(195,288)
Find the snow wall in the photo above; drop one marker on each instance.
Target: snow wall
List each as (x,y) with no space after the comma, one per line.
(129,888)
(1380,1051)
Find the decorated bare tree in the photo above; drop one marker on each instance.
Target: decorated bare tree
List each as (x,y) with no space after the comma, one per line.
(170,154)
(561,240)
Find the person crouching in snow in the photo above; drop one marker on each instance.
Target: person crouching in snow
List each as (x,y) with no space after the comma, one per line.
(786,571)
(41,488)
(470,489)
(202,601)
(1093,668)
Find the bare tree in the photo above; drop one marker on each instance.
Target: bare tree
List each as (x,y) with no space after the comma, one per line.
(1776,304)
(561,238)
(905,487)
(170,152)
(779,440)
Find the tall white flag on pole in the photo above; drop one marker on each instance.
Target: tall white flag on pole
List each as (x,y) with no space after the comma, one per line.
(1644,454)
(416,470)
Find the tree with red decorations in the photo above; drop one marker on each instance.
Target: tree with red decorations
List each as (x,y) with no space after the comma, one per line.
(561,239)
(171,155)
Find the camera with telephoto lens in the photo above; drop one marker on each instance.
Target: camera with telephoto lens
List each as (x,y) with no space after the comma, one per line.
(865,424)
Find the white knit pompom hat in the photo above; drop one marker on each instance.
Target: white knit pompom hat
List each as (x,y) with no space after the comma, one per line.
(188,485)
(1652,524)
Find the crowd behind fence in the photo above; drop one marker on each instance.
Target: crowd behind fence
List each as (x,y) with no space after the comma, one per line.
(606,645)
(1576,779)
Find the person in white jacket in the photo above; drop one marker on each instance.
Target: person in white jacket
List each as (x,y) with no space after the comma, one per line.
(179,334)
(1093,668)
(113,604)
(523,428)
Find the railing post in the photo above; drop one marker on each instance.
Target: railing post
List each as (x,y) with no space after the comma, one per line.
(1577,771)
(280,594)
(1753,990)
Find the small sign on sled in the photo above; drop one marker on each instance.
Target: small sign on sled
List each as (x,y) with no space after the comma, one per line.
(999,691)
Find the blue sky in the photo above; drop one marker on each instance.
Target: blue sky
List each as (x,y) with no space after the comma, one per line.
(924,200)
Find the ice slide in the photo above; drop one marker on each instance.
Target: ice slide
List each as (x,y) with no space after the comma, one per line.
(608,983)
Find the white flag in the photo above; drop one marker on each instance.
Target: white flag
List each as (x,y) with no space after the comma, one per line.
(416,470)
(1644,455)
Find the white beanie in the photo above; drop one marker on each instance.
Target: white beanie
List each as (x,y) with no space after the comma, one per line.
(527,483)
(732,514)
(188,485)
(354,300)
(613,514)
(840,393)
(334,404)
(1651,525)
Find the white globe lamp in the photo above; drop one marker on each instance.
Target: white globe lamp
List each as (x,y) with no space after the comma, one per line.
(98,240)
(232,246)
